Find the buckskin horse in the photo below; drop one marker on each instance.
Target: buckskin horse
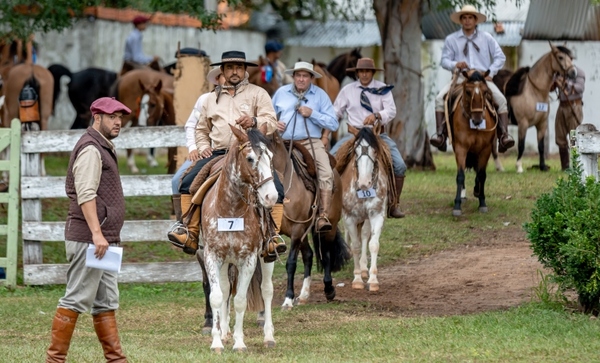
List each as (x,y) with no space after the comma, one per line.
(473,128)
(84,87)
(234,225)
(527,92)
(365,167)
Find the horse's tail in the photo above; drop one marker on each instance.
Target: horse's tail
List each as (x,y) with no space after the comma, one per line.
(254,297)
(337,250)
(58,71)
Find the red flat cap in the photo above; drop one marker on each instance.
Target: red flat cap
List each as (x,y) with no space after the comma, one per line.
(108,106)
(140,19)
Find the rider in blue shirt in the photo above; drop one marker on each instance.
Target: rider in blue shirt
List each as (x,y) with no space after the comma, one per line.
(133,44)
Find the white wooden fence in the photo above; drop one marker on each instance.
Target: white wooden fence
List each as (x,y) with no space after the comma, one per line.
(35,187)
(586,140)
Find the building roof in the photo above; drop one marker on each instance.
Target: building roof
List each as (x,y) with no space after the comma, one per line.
(562,19)
(337,34)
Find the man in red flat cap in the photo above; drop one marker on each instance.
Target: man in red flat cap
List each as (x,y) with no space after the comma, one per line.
(133,44)
(96,214)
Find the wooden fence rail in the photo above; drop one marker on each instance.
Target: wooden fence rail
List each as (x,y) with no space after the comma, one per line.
(35,187)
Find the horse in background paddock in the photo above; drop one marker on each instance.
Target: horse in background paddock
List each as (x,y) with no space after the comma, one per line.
(527,92)
(365,167)
(473,130)
(84,87)
(338,65)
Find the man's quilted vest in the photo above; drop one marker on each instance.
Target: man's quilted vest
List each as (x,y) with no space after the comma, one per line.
(110,202)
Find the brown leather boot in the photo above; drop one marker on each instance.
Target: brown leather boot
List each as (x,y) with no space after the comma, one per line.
(439,139)
(505,141)
(176,201)
(105,325)
(186,236)
(63,326)
(276,245)
(395,211)
(564,158)
(323,224)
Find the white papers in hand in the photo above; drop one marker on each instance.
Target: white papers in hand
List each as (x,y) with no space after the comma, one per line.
(110,262)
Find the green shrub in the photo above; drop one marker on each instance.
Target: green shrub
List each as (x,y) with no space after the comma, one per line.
(565,235)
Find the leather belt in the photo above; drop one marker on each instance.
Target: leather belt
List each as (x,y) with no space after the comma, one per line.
(573,102)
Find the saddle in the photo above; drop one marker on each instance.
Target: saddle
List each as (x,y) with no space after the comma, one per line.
(304,164)
(455,97)
(205,179)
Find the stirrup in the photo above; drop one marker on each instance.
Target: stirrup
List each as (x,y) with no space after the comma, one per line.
(280,249)
(189,245)
(326,227)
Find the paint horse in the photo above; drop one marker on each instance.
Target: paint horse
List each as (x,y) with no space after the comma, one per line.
(527,92)
(364,163)
(473,127)
(235,214)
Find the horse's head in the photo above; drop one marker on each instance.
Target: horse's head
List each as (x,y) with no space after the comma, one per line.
(351,60)
(562,61)
(254,165)
(152,104)
(366,152)
(260,75)
(475,91)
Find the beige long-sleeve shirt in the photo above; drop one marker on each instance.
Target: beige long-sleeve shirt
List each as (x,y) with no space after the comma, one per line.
(213,128)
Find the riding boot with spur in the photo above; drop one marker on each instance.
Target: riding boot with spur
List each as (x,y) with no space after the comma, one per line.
(323,224)
(439,139)
(186,236)
(176,201)
(505,141)
(395,211)
(63,326)
(276,245)
(105,326)
(564,158)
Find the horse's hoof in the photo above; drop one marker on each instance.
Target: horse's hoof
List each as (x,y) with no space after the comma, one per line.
(260,323)
(207,330)
(483,209)
(217,350)
(300,301)
(240,350)
(373,287)
(270,344)
(457,212)
(286,308)
(358,285)
(330,296)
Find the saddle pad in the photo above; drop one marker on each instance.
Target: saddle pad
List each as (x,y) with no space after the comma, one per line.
(205,172)
(198,197)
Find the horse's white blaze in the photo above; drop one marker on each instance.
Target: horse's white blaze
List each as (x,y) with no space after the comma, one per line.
(267,192)
(2,101)
(143,117)
(365,166)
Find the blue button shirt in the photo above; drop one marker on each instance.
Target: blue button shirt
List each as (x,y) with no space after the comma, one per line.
(133,48)
(322,117)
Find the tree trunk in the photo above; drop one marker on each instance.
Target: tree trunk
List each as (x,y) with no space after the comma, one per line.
(400,28)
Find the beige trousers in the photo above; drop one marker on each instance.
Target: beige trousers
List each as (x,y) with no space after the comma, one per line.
(497,95)
(324,171)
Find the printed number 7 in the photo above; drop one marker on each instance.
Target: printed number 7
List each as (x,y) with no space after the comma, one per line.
(230,224)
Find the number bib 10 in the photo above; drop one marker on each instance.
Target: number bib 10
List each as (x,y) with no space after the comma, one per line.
(369,193)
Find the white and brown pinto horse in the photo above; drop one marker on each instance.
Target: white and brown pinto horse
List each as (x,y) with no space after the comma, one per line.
(527,92)
(365,183)
(235,217)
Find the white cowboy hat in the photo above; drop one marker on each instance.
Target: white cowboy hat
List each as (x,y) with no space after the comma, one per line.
(214,73)
(468,9)
(303,66)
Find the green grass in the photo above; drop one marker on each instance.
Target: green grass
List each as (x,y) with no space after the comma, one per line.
(162,322)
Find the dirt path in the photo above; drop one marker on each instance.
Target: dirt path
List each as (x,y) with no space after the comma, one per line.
(496,273)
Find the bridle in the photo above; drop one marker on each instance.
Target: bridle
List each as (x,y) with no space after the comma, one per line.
(364,151)
(255,184)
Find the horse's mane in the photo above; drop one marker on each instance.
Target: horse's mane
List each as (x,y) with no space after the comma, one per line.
(516,82)
(476,76)
(256,138)
(345,153)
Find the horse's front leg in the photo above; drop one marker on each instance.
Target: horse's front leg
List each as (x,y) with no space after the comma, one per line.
(213,269)
(324,254)
(267,295)
(521,146)
(208,315)
(290,267)
(376,228)
(307,259)
(542,149)
(353,231)
(480,180)
(224,309)
(131,162)
(460,182)
(240,301)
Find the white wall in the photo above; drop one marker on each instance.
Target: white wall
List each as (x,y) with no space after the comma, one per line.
(101,43)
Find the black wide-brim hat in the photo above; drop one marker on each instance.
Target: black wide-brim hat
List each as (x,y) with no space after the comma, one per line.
(234,56)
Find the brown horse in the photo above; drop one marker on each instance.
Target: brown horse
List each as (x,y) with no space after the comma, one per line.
(234,224)
(473,128)
(527,92)
(255,75)
(129,91)
(338,65)
(299,212)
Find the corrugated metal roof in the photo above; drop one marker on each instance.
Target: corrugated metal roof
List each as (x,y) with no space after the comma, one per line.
(437,24)
(558,19)
(512,32)
(338,34)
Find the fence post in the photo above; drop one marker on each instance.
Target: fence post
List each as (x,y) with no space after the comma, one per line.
(11,229)
(586,140)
